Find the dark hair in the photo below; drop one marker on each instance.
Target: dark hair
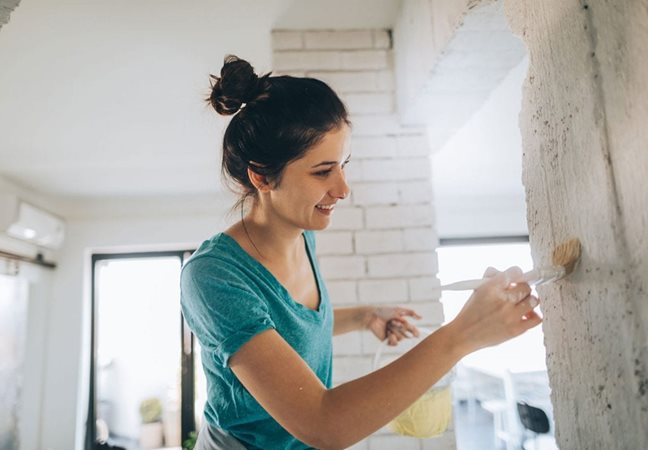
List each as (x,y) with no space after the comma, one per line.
(277,119)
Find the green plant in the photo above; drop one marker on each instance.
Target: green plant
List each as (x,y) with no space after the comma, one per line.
(190,442)
(151,410)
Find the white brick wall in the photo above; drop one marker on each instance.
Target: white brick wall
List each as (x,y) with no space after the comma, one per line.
(402,264)
(287,40)
(383,291)
(347,218)
(385,217)
(347,344)
(420,239)
(370,242)
(335,243)
(342,267)
(338,40)
(369,103)
(391,193)
(357,81)
(330,60)
(424,288)
(342,292)
(381,246)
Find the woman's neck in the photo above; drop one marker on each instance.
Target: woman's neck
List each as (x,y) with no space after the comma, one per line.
(273,241)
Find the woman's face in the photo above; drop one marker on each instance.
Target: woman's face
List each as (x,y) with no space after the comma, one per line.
(311,186)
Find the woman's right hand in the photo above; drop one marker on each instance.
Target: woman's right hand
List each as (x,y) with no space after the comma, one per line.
(498,310)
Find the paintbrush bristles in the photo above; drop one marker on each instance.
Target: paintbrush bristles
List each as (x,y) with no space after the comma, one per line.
(567,255)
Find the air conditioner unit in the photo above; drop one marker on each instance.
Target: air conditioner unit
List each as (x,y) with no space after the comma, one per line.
(20,220)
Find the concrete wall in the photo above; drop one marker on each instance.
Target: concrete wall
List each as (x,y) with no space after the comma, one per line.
(381,246)
(6,7)
(584,132)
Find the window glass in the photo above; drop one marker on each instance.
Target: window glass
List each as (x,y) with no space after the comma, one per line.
(138,351)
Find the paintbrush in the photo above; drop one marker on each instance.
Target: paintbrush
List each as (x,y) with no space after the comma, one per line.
(564,259)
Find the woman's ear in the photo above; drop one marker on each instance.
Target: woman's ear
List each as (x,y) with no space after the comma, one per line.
(260,182)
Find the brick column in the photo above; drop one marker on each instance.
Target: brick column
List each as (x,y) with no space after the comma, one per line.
(381,246)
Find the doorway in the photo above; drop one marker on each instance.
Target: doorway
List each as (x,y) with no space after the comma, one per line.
(142,378)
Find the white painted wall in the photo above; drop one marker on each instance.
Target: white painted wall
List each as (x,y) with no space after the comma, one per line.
(422,31)
(65,387)
(39,281)
(477,175)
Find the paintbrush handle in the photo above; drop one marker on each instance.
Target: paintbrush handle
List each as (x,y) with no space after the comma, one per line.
(535,277)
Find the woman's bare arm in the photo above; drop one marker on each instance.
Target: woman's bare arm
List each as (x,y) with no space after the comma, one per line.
(336,418)
(351,318)
(386,322)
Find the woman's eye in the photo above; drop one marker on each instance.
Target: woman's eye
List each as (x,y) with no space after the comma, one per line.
(323,173)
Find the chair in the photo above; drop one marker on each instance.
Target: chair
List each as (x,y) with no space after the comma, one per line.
(535,420)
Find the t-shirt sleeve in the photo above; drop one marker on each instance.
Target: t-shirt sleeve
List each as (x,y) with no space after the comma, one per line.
(221,310)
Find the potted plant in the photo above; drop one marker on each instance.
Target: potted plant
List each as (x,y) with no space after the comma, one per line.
(190,442)
(151,435)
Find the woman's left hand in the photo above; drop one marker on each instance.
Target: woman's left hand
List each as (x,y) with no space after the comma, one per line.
(391,323)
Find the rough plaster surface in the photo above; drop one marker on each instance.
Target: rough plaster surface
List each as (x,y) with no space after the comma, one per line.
(583,123)
(6,7)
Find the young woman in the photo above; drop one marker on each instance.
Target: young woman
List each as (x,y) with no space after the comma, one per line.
(254,297)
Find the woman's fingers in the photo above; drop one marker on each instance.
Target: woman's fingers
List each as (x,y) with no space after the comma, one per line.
(490,272)
(399,328)
(527,304)
(509,289)
(517,292)
(512,275)
(530,320)
(500,309)
(407,312)
(405,326)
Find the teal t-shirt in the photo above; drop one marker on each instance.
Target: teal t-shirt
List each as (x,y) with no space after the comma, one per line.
(228,297)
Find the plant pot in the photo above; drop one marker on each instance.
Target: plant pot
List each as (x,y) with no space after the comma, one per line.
(151,436)
(171,421)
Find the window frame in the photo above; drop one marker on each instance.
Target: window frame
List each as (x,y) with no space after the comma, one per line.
(187,382)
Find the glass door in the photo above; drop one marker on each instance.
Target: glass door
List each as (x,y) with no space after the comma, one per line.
(139,386)
(13,325)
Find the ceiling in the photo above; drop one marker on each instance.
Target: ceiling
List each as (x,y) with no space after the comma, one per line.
(105,99)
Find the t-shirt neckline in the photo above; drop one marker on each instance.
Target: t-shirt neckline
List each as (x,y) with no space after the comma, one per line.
(274,279)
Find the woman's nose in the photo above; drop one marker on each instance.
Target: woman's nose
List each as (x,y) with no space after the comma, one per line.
(341,189)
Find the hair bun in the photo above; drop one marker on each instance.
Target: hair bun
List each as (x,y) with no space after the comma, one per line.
(237,84)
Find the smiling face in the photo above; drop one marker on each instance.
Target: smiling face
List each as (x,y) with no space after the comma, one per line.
(311,186)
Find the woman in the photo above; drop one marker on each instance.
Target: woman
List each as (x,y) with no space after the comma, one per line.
(255,299)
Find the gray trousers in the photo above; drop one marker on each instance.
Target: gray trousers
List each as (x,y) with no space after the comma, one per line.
(211,438)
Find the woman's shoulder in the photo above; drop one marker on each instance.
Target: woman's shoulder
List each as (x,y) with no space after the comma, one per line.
(216,256)
(217,271)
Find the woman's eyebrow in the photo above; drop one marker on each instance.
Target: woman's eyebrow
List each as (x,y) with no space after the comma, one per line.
(329,163)
(325,163)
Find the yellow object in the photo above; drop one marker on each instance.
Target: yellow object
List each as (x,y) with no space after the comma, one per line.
(427,417)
